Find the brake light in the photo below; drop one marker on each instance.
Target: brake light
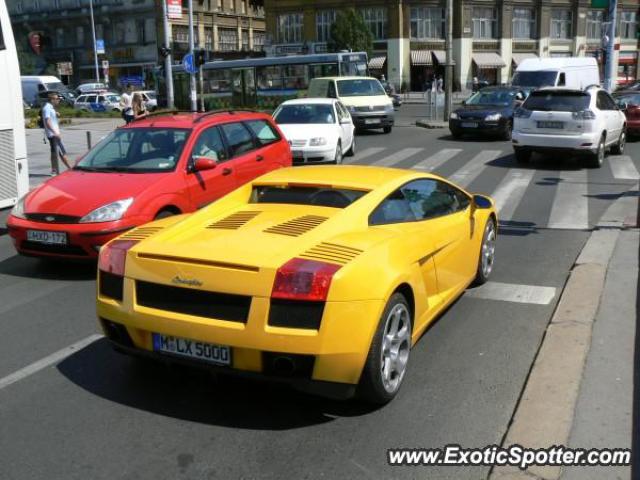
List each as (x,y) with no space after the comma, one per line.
(113,256)
(584,115)
(521,113)
(300,279)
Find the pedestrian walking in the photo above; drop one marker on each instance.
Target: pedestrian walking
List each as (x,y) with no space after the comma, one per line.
(138,108)
(52,132)
(475,86)
(125,102)
(440,84)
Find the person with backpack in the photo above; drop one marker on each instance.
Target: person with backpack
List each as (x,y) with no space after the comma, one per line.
(51,127)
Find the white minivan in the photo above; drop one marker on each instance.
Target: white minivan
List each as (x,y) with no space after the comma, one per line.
(570,72)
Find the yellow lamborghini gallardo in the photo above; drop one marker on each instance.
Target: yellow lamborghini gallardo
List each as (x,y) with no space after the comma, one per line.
(322,276)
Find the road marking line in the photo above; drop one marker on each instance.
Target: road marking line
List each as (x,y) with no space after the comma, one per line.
(510,191)
(511,292)
(367,152)
(570,206)
(397,157)
(469,172)
(434,161)
(47,361)
(623,168)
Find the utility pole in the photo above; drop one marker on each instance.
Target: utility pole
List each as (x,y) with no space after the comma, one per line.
(194,102)
(168,72)
(448,69)
(93,35)
(610,74)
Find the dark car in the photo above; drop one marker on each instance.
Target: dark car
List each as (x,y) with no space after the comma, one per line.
(629,103)
(488,111)
(629,87)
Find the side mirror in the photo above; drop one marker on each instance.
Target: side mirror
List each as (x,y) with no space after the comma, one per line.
(481,202)
(201,164)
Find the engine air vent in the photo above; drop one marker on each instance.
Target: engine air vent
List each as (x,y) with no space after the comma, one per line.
(234,221)
(140,233)
(297,226)
(332,253)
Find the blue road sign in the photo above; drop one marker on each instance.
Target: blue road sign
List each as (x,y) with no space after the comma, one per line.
(99,46)
(188,63)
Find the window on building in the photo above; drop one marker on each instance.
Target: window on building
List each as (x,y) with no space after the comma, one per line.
(376,20)
(427,22)
(80,35)
(561,21)
(227,39)
(119,31)
(324,20)
(485,23)
(59,37)
(180,34)
(150,31)
(208,39)
(258,41)
(290,28)
(245,40)
(524,23)
(142,36)
(628,25)
(219,4)
(243,7)
(232,5)
(594,24)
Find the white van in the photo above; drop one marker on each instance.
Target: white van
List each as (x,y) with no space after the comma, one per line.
(36,87)
(571,72)
(14,174)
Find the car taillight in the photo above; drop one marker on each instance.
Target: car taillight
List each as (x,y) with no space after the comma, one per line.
(521,113)
(113,256)
(584,115)
(300,279)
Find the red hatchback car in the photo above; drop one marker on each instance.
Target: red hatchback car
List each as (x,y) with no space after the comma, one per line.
(629,103)
(159,166)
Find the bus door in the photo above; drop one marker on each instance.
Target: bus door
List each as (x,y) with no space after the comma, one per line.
(244,87)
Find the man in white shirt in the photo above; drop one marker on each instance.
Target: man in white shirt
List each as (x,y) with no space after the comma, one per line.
(52,131)
(125,103)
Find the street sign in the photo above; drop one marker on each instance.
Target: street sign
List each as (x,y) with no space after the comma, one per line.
(174,9)
(188,64)
(100,46)
(64,68)
(599,3)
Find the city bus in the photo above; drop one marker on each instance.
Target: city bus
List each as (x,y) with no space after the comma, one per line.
(14,175)
(264,82)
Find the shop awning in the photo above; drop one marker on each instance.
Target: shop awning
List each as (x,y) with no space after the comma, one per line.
(376,63)
(488,60)
(421,57)
(441,57)
(628,58)
(519,57)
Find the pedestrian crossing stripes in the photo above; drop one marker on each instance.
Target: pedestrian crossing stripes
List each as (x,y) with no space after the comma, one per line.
(570,206)
(474,167)
(510,192)
(623,168)
(366,153)
(437,159)
(397,157)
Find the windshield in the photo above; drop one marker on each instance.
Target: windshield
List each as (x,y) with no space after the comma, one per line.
(303,195)
(302,114)
(136,150)
(534,79)
(359,88)
(492,97)
(557,101)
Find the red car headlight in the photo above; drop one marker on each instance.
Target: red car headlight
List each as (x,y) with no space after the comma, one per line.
(300,279)
(114,255)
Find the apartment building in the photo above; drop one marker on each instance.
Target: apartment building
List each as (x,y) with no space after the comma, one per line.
(132,33)
(490,37)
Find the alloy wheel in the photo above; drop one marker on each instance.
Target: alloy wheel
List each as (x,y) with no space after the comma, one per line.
(396,344)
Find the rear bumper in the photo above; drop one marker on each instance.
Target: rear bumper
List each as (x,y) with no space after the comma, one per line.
(585,142)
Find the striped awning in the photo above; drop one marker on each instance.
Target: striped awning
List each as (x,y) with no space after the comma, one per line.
(377,63)
(441,57)
(421,57)
(519,57)
(628,58)
(488,60)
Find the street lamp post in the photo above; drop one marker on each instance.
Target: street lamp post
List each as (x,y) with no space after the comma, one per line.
(194,103)
(448,72)
(168,73)
(610,74)
(95,48)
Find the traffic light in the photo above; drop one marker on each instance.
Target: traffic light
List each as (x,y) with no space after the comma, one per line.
(165,51)
(200,57)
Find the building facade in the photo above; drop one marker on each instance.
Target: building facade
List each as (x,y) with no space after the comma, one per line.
(58,33)
(490,37)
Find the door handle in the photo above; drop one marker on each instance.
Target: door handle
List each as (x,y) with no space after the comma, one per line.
(226,171)
(259,158)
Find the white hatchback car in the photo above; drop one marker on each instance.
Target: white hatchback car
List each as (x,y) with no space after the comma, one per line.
(319,130)
(568,120)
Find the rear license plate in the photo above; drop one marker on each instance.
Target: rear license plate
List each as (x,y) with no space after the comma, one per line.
(52,238)
(559,125)
(469,125)
(183,347)
(370,121)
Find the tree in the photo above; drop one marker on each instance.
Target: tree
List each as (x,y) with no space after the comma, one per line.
(350,32)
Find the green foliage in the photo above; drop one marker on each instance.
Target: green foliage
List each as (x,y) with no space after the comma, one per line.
(350,32)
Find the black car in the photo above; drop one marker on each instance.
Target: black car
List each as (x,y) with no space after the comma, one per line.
(488,111)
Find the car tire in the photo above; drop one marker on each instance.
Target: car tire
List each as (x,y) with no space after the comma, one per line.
(352,149)
(487,253)
(388,357)
(618,148)
(338,156)
(387,129)
(596,159)
(522,155)
(508,128)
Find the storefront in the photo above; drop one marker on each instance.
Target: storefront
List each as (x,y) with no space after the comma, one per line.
(422,69)
(378,65)
(627,67)
(486,66)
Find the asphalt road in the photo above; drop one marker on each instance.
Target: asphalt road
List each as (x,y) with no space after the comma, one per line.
(99,415)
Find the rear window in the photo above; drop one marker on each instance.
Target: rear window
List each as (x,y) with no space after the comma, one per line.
(557,101)
(305,195)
